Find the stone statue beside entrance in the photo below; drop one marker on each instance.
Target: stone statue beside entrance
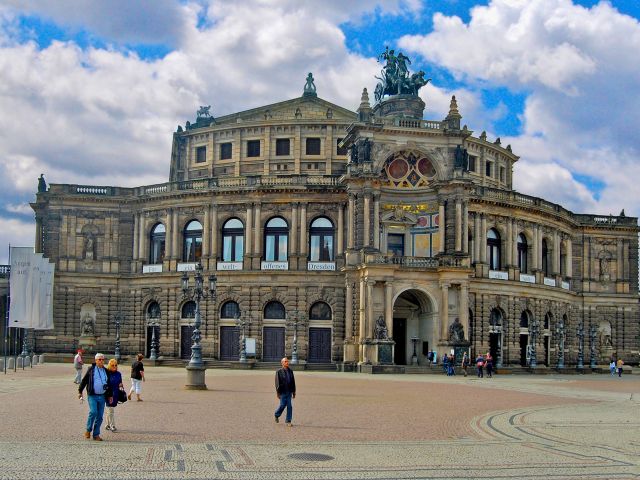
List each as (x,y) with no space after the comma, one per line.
(87,326)
(381,329)
(456,332)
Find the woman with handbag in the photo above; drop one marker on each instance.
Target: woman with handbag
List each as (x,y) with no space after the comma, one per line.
(115,382)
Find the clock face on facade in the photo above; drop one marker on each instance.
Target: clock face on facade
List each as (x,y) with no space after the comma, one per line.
(409,170)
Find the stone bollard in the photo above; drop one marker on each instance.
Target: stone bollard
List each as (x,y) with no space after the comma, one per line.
(19,362)
(35,360)
(41,359)
(11,363)
(27,362)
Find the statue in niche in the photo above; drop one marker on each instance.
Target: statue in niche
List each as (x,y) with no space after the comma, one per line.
(381,329)
(604,335)
(87,326)
(604,259)
(456,331)
(89,248)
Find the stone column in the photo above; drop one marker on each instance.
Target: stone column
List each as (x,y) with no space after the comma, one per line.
(257,228)
(369,318)
(536,249)
(465,228)
(625,260)
(444,311)
(441,228)
(348,311)
(483,239)
(214,234)
(175,244)
(168,239)
(569,259)
(514,243)
(142,239)
(351,222)
(136,232)
(206,228)
(303,229)
(477,238)
(376,221)
(294,229)
(509,252)
(464,308)
(340,240)
(361,309)
(555,268)
(367,219)
(388,306)
(248,227)
(458,228)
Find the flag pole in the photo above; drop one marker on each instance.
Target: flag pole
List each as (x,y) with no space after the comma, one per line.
(6,314)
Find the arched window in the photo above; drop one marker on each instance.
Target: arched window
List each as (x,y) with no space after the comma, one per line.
(156,248)
(321,240)
(274,310)
(320,311)
(189,310)
(547,320)
(153,310)
(545,258)
(493,249)
(276,235)
(232,241)
(192,241)
(495,317)
(524,319)
(522,253)
(563,260)
(230,309)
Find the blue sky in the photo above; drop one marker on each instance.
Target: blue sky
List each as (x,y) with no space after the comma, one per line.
(91,91)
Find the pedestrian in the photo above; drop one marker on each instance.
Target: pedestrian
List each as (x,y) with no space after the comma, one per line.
(285,391)
(488,364)
(480,365)
(612,368)
(451,366)
(430,357)
(465,363)
(445,363)
(78,363)
(619,365)
(115,384)
(96,381)
(137,377)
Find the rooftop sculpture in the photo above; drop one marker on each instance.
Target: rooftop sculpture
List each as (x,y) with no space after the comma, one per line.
(395,78)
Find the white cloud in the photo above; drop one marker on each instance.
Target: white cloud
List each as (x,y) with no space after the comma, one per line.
(575,66)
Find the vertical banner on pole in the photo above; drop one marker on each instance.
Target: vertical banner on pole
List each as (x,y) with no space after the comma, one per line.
(20,283)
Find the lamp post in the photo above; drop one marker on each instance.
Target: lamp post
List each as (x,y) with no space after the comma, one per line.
(243,322)
(154,324)
(533,330)
(580,335)
(295,318)
(196,368)
(560,333)
(118,320)
(592,347)
(414,357)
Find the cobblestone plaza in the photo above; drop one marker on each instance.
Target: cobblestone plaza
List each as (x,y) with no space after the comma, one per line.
(346,426)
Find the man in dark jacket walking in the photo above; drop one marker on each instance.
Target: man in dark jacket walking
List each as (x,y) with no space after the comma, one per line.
(285,390)
(96,381)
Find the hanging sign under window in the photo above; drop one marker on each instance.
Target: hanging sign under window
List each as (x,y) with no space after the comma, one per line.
(321,266)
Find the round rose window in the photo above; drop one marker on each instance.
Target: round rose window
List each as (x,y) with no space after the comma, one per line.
(409,170)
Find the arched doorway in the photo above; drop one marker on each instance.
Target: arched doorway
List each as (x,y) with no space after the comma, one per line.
(413,324)
(496,321)
(546,335)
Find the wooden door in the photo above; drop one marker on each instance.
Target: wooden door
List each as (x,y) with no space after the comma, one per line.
(185,341)
(273,344)
(319,345)
(229,344)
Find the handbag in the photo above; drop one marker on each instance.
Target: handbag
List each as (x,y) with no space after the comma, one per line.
(122,396)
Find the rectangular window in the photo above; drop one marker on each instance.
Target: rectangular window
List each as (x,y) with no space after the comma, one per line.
(488,169)
(225,151)
(340,150)
(395,244)
(201,154)
(472,163)
(502,174)
(282,146)
(313,146)
(253,148)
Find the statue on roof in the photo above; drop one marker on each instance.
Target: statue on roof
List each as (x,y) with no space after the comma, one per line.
(395,79)
(310,87)
(203,112)
(42,184)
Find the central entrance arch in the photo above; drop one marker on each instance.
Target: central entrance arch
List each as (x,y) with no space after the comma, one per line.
(414,317)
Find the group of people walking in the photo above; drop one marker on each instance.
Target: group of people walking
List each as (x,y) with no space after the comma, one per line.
(483,362)
(105,390)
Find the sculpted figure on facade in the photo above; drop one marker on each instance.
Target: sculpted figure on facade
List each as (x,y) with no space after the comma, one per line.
(456,331)
(381,329)
(87,326)
(395,78)
(89,248)
(604,335)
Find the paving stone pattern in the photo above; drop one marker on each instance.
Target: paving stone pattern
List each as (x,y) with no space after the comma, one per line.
(346,426)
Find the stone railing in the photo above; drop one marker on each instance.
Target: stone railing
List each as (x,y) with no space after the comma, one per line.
(529,201)
(410,262)
(410,123)
(4,271)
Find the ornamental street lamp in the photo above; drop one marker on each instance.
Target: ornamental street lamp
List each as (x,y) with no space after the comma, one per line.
(196,368)
(592,347)
(560,334)
(533,330)
(243,322)
(118,320)
(295,318)
(580,335)
(154,324)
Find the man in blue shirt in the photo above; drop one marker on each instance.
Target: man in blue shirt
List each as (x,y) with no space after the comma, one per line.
(96,380)
(285,390)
